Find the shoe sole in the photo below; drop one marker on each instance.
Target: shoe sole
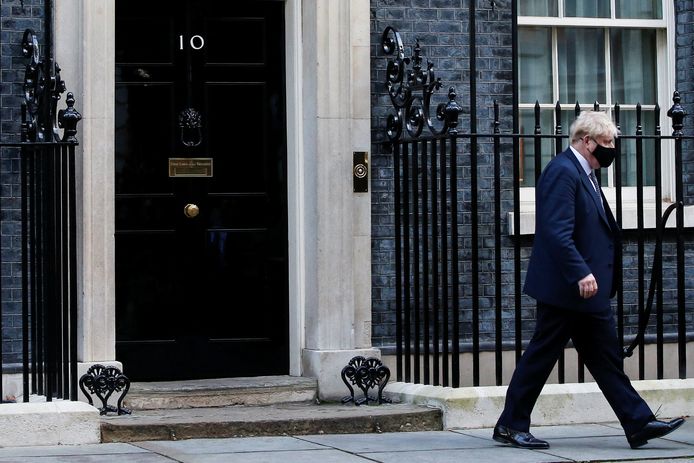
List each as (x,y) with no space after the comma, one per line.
(635,445)
(504,441)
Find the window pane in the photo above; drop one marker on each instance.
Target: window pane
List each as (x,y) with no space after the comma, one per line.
(634,73)
(627,125)
(538,7)
(527,148)
(639,9)
(581,65)
(535,64)
(587,8)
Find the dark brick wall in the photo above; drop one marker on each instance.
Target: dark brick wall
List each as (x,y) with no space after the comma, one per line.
(685,83)
(15,17)
(442,29)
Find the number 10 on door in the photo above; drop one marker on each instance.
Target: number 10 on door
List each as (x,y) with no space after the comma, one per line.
(196,42)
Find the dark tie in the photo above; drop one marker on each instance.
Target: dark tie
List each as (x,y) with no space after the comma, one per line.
(597,189)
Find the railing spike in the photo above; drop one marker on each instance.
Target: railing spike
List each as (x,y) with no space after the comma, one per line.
(677,114)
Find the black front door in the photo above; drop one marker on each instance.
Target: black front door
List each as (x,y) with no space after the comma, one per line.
(200,186)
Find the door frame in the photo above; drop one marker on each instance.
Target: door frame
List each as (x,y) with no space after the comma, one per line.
(87,37)
(324,317)
(295,185)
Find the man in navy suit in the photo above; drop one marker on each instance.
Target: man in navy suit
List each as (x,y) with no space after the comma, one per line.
(572,274)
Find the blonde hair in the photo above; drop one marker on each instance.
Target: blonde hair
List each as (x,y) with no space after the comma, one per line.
(592,123)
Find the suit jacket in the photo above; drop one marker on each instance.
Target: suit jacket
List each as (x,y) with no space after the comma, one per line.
(574,237)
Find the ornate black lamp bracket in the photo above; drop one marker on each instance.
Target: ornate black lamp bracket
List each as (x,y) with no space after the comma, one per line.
(43,86)
(102,381)
(366,374)
(411,92)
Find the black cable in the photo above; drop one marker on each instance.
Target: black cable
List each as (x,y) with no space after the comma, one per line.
(656,271)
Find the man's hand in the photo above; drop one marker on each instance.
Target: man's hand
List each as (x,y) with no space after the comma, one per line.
(588,286)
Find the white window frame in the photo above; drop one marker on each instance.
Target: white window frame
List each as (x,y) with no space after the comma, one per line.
(665,51)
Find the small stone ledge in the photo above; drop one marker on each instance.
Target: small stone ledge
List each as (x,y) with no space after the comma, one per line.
(49,423)
(479,407)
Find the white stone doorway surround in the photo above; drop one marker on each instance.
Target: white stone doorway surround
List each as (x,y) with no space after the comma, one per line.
(328,117)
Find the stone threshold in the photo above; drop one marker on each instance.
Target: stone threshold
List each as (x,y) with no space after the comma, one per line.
(222,392)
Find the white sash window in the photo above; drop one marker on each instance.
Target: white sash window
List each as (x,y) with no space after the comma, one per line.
(609,51)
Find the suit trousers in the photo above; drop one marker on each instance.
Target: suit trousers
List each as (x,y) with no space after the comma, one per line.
(594,337)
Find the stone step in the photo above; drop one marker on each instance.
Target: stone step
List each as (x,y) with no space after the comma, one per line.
(268,420)
(260,390)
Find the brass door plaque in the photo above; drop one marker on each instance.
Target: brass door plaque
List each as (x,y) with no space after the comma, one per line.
(190,167)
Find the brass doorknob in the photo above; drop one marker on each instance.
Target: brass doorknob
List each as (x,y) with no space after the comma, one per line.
(191,210)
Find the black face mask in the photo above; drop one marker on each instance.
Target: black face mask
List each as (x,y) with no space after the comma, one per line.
(604,155)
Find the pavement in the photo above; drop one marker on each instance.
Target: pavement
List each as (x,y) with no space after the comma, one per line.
(574,443)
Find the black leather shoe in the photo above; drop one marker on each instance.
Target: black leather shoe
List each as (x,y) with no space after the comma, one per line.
(653,429)
(523,440)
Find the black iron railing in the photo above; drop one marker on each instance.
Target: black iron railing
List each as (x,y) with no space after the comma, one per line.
(48,231)
(49,283)
(440,304)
